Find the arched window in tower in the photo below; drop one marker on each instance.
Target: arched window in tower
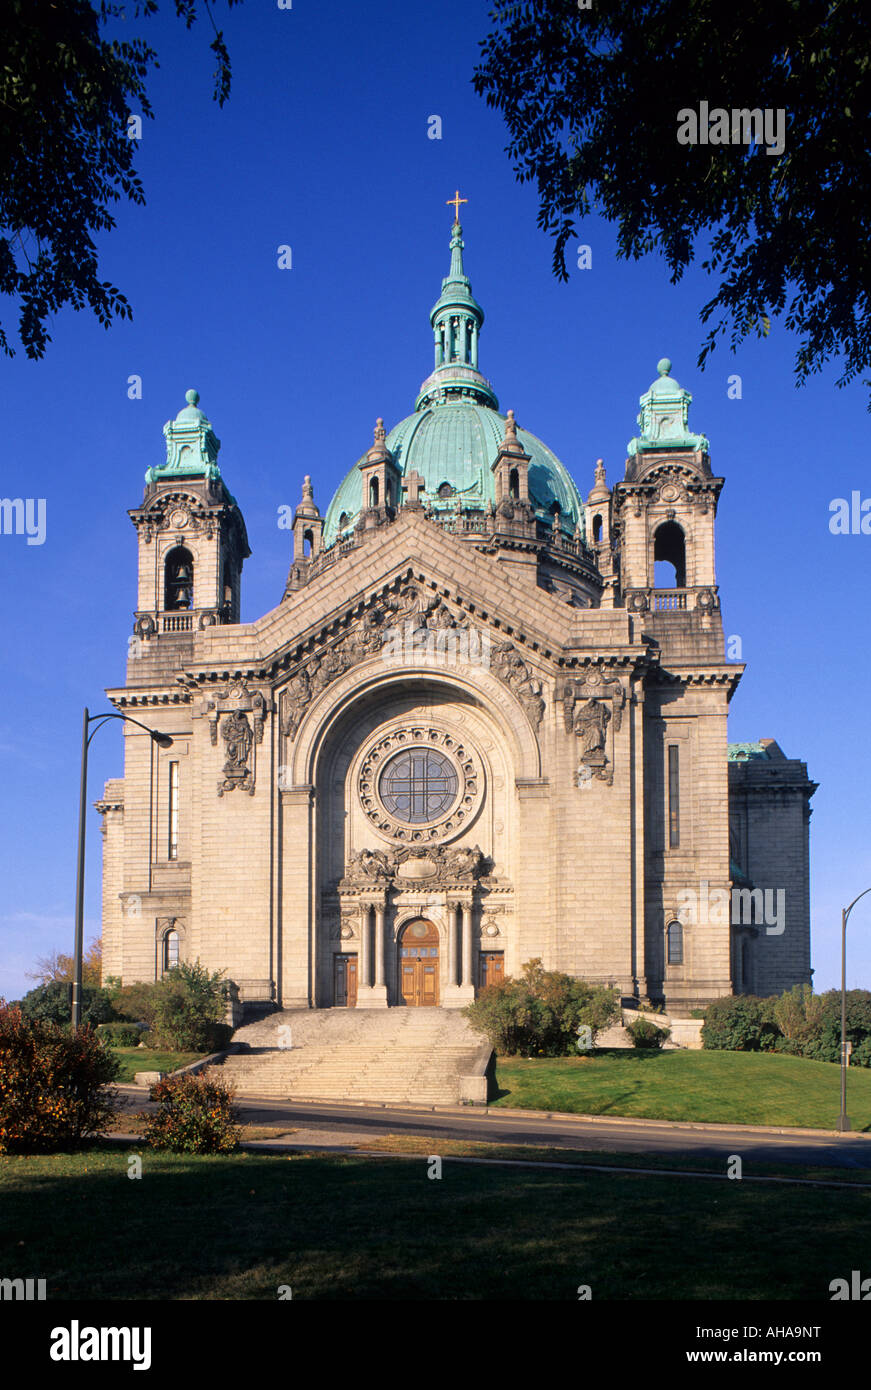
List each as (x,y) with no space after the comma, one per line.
(674,935)
(170,950)
(669,557)
(388,494)
(178,580)
(597,528)
(308,541)
(373,492)
(343,521)
(513,484)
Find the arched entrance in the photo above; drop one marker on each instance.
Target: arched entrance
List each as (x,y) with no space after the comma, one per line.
(419,964)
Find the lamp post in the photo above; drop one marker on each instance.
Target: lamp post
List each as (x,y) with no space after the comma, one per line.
(843,1121)
(98,720)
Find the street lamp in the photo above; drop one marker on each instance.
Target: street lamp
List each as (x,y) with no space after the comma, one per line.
(98,720)
(843,1121)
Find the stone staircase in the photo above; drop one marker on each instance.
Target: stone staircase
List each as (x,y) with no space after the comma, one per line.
(387,1055)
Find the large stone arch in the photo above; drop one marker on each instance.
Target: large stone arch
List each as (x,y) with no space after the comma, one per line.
(362,683)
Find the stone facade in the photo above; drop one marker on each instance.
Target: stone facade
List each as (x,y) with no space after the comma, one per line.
(474,708)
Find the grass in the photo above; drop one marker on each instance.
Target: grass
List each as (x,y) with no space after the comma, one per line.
(749,1088)
(134,1059)
(336,1227)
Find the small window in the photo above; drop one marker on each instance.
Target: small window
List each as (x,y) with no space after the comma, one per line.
(373,492)
(597,528)
(170,950)
(675,943)
(673,796)
(513,484)
(343,521)
(173,811)
(445,490)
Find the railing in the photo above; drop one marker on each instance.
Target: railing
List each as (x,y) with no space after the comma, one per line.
(182,622)
(665,600)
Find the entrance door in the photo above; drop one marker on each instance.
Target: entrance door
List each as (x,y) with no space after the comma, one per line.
(345,981)
(492,969)
(419,965)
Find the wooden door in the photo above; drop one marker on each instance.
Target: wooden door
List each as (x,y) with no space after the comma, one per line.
(492,968)
(345,981)
(419,965)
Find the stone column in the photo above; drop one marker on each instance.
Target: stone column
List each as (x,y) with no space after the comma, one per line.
(365,970)
(467,944)
(379,943)
(371,996)
(452,945)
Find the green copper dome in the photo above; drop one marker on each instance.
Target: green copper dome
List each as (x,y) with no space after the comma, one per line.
(454,434)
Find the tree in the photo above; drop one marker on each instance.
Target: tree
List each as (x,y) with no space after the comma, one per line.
(592,96)
(59,966)
(190,1003)
(52,1003)
(66,98)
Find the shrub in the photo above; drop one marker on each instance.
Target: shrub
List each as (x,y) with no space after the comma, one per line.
(53,1084)
(189,1003)
(540,1012)
(646,1034)
(119,1034)
(51,1003)
(798,1014)
(195,1114)
(825,1046)
(134,1003)
(740,1023)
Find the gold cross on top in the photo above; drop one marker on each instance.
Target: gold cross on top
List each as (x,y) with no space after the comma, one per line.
(455,204)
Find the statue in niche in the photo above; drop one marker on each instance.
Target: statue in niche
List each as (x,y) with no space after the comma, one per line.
(591,724)
(237,736)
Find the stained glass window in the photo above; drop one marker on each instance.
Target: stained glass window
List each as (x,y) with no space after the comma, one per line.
(418,785)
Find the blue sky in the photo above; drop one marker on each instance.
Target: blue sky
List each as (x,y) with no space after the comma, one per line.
(323,146)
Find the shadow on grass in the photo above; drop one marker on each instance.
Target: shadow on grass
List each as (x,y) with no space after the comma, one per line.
(241,1225)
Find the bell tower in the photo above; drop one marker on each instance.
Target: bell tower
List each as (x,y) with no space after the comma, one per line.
(665,508)
(192,538)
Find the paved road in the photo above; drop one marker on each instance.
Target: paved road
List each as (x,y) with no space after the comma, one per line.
(354,1123)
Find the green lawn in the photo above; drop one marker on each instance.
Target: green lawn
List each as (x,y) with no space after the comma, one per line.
(134,1059)
(239,1226)
(749,1088)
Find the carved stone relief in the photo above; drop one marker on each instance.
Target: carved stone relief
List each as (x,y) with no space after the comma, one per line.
(590,704)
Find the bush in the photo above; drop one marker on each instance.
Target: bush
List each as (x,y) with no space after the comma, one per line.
(646,1034)
(798,1014)
(51,1003)
(53,1084)
(190,1002)
(540,1012)
(134,1003)
(825,1046)
(740,1023)
(195,1115)
(119,1034)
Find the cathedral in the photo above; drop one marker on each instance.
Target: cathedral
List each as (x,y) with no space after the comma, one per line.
(487,722)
